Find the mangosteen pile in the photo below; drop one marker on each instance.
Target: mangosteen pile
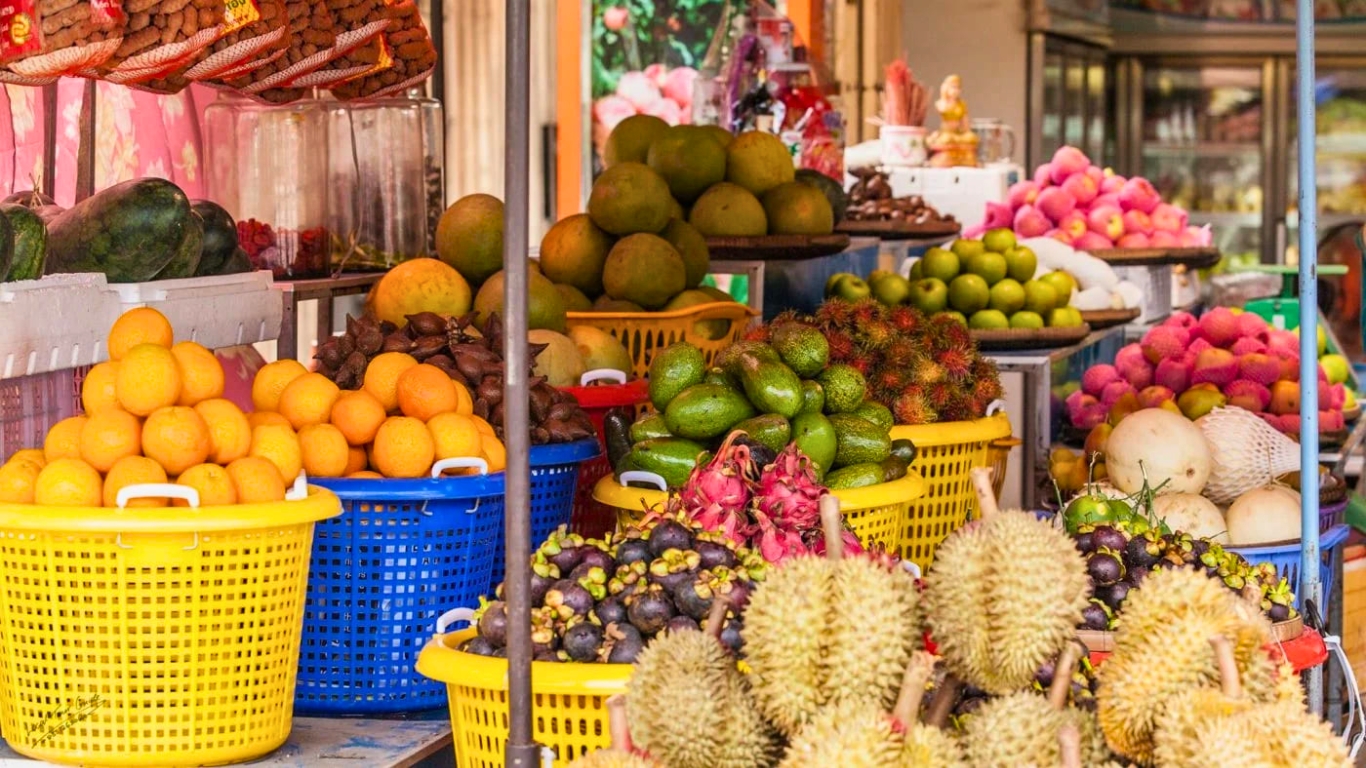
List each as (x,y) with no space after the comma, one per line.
(603,601)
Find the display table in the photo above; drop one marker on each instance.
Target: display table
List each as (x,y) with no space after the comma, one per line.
(333,743)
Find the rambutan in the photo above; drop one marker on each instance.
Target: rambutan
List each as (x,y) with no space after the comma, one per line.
(835,312)
(908,320)
(900,351)
(956,363)
(889,379)
(866,311)
(912,409)
(877,334)
(862,365)
(951,334)
(927,371)
(941,394)
(759,333)
(841,346)
(959,410)
(984,392)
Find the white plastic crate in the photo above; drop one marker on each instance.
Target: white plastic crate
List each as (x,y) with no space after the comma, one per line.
(221,311)
(1156,283)
(31,405)
(58,322)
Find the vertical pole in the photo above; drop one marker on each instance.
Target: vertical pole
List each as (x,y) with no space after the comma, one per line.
(85,148)
(1310,583)
(48,184)
(522,752)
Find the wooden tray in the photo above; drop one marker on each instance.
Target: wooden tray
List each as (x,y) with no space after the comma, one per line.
(1194,258)
(1104,642)
(777,247)
(900,230)
(1029,338)
(1108,318)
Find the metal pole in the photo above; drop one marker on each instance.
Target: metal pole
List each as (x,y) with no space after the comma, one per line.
(1310,585)
(48,184)
(522,752)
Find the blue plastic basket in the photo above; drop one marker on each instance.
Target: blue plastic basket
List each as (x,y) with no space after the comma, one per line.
(1286,558)
(554,480)
(401,552)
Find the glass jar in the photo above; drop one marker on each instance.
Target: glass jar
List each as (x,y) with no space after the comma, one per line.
(385,176)
(267,165)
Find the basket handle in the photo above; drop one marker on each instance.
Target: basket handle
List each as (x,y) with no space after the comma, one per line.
(602,374)
(460,462)
(156,491)
(298,491)
(641,476)
(454,615)
(995,407)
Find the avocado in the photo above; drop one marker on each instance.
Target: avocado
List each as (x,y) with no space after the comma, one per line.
(877,413)
(815,436)
(859,441)
(718,376)
(813,397)
(844,388)
(769,430)
(728,359)
(674,369)
(802,347)
(648,428)
(704,411)
(771,387)
(671,458)
(893,468)
(854,476)
(905,450)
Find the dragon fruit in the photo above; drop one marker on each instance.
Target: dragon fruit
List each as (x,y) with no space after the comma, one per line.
(717,493)
(788,491)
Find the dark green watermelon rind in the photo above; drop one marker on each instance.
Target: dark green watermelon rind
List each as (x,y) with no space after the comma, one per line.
(30,242)
(129,232)
(220,236)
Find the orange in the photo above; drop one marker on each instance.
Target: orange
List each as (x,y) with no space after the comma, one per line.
(18,479)
(484,427)
(256,481)
(358,415)
(229,430)
(280,446)
(64,439)
(271,380)
(424,391)
(34,455)
(176,438)
(308,400)
(97,391)
(267,418)
(68,483)
(110,436)
(403,448)
(213,483)
(324,450)
(147,379)
(133,470)
(365,475)
(495,453)
(201,375)
(465,405)
(356,460)
(381,377)
(454,436)
(142,325)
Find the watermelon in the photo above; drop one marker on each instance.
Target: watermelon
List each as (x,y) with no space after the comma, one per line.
(237,263)
(220,236)
(29,198)
(6,248)
(130,231)
(30,242)
(187,256)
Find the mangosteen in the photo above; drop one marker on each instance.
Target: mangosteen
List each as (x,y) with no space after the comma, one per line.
(967,706)
(1113,595)
(1095,616)
(649,610)
(594,556)
(1104,567)
(674,568)
(1136,576)
(550,656)
(478,645)
(564,550)
(669,535)
(626,644)
(739,592)
(1143,551)
(732,635)
(568,599)
(632,551)
(1199,547)
(1044,676)
(493,624)
(591,578)
(714,555)
(1085,542)
(582,641)
(681,624)
(1109,537)
(609,611)
(1278,612)
(693,598)
(499,653)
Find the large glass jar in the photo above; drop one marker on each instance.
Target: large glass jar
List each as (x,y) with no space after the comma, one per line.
(267,165)
(385,175)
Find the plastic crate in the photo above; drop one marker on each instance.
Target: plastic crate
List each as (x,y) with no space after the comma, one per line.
(31,405)
(380,574)
(591,518)
(644,332)
(1332,514)
(219,311)
(554,482)
(175,645)
(1286,558)
(56,323)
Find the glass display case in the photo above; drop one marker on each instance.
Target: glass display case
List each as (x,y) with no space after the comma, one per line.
(1068,98)
(1340,152)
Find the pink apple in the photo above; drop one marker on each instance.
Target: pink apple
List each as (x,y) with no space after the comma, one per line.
(1112,184)
(615,18)
(1097,175)
(1043,175)
(1138,194)
(1106,198)
(1092,241)
(1030,222)
(1106,220)
(1081,187)
(1161,239)
(666,110)
(1189,239)
(1138,221)
(639,89)
(1055,203)
(1022,193)
(1169,218)
(1133,240)
(1074,224)
(1067,161)
(1201,236)
(610,110)
(656,74)
(678,85)
(1059,235)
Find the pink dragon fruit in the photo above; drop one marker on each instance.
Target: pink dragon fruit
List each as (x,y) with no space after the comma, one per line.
(717,494)
(788,491)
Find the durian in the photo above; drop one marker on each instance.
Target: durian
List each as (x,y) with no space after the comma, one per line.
(821,632)
(1162,651)
(619,755)
(925,746)
(689,706)
(1004,595)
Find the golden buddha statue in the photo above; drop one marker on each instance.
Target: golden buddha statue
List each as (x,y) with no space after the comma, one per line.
(954,144)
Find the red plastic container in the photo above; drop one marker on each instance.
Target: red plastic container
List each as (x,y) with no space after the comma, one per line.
(592,519)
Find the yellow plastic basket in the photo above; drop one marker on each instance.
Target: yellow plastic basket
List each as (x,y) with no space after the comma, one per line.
(877,513)
(644,332)
(945,453)
(569,701)
(152,637)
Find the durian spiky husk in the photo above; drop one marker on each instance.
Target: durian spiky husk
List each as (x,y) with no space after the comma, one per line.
(1004,597)
(848,734)
(1021,730)
(688,706)
(1176,734)
(1279,734)
(930,747)
(820,633)
(1162,651)
(612,758)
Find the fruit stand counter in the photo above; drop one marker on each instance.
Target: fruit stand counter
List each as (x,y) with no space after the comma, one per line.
(1036,383)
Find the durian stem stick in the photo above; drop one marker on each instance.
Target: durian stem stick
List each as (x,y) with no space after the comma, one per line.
(986,495)
(716,617)
(833,524)
(616,722)
(1069,744)
(944,699)
(907,710)
(1062,676)
(1228,666)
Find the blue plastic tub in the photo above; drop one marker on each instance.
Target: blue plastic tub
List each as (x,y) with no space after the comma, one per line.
(401,552)
(1286,558)
(554,480)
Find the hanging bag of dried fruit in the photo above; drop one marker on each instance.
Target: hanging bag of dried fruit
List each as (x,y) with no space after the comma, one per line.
(43,39)
(251,30)
(161,35)
(360,50)
(414,57)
